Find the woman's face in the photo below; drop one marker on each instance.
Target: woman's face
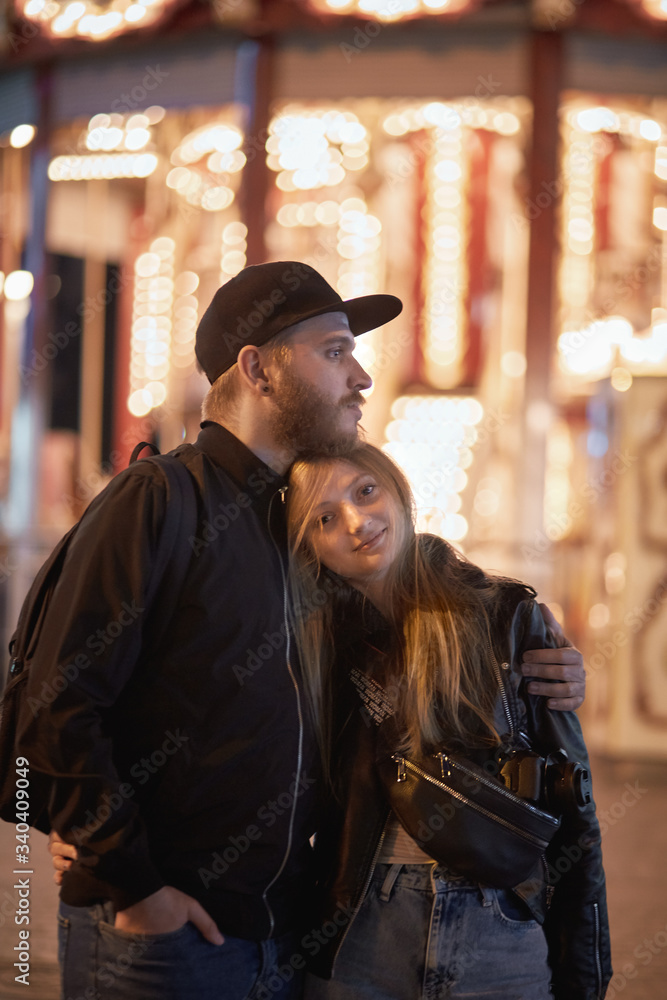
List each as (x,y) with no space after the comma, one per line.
(356,526)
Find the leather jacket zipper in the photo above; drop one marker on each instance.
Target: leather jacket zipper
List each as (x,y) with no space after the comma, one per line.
(598,962)
(362,895)
(501,688)
(272,922)
(549,888)
(495,786)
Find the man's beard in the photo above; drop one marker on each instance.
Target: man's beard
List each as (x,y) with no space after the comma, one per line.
(307,423)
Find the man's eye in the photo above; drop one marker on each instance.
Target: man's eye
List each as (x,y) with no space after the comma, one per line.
(367,490)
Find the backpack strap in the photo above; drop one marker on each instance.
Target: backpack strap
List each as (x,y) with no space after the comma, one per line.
(179,526)
(174,551)
(138,448)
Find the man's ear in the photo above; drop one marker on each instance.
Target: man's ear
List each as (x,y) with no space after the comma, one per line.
(251,369)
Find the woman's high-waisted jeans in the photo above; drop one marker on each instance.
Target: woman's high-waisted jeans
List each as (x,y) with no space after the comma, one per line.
(423,934)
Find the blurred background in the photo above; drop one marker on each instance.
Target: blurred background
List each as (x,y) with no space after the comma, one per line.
(502,167)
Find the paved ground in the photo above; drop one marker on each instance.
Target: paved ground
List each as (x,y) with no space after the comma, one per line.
(632,804)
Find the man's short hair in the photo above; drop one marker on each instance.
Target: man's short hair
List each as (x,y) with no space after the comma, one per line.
(222,398)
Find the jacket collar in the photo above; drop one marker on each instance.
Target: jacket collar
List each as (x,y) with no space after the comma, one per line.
(357,619)
(254,478)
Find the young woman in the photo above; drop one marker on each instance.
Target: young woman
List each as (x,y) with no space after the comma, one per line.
(393,623)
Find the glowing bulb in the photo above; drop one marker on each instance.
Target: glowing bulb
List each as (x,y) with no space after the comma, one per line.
(134,13)
(18,285)
(660,218)
(140,403)
(648,129)
(597,120)
(513,364)
(21,136)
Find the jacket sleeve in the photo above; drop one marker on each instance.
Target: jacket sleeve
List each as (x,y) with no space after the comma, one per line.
(89,647)
(576,925)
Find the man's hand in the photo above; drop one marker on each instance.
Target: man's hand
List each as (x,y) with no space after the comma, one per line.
(63,855)
(565,664)
(167,910)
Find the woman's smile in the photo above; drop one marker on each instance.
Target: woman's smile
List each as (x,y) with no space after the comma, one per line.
(371,543)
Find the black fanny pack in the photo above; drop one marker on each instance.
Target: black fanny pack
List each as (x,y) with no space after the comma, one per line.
(467,819)
(491,823)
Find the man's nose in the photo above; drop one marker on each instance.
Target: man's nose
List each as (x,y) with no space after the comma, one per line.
(359,378)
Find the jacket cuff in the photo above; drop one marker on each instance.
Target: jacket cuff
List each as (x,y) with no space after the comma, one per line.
(82,884)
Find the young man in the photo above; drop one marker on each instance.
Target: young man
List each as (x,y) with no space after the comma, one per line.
(191,761)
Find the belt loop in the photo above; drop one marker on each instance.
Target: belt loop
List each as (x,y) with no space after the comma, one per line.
(487,895)
(388,884)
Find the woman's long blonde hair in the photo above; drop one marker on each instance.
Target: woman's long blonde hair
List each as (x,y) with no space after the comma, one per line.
(441,607)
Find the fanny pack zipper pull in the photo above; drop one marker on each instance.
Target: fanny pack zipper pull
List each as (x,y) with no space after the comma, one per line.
(400,761)
(442,757)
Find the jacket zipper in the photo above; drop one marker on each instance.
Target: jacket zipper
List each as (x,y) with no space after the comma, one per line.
(290,835)
(501,688)
(531,838)
(598,962)
(496,787)
(550,889)
(362,895)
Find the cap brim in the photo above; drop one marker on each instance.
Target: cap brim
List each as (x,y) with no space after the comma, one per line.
(367,312)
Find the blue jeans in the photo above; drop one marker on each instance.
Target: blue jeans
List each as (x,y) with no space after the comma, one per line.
(98,962)
(421,933)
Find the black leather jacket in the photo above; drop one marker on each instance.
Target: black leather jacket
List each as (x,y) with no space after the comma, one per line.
(567,895)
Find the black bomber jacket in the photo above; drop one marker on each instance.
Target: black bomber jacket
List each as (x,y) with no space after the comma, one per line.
(177,726)
(566,894)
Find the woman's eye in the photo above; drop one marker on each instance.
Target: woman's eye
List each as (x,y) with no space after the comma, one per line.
(324,519)
(367,490)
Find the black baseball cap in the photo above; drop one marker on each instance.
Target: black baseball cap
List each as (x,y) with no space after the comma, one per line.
(264,299)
